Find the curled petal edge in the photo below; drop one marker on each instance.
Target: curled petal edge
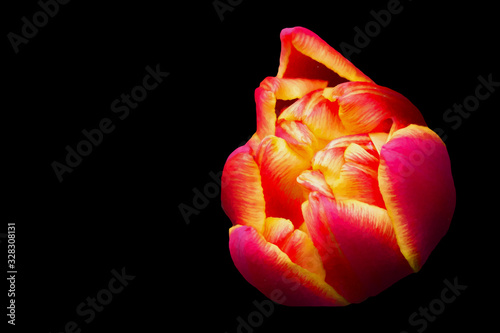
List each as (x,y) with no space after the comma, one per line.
(272,272)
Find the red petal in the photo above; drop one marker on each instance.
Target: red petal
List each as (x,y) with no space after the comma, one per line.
(358,177)
(295,243)
(365,107)
(280,166)
(298,137)
(417,187)
(314,181)
(368,259)
(305,55)
(318,113)
(241,191)
(350,165)
(366,237)
(339,273)
(271,91)
(271,271)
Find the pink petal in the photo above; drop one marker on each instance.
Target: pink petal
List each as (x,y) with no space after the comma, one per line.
(270,270)
(366,259)
(417,186)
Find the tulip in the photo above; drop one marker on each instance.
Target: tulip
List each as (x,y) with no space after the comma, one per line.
(342,190)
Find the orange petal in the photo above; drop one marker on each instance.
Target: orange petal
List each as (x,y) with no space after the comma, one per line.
(318,113)
(266,117)
(323,120)
(363,140)
(291,88)
(272,271)
(241,191)
(280,166)
(298,136)
(300,249)
(417,186)
(314,181)
(358,177)
(329,162)
(299,110)
(365,107)
(330,159)
(295,243)
(273,90)
(305,55)
(378,139)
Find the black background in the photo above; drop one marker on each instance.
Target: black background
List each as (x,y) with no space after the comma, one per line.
(119,207)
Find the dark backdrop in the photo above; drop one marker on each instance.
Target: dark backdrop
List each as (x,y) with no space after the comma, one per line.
(118,210)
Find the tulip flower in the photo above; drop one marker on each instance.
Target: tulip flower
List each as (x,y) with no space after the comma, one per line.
(342,190)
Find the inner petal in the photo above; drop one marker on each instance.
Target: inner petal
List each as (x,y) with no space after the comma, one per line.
(295,243)
(280,165)
(318,113)
(301,65)
(314,181)
(350,166)
(298,136)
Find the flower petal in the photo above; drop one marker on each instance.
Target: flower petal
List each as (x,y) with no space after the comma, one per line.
(330,159)
(301,108)
(318,113)
(277,230)
(358,177)
(365,107)
(417,186)
(295,243)
(241,191)
(339,273)
(300,249)
(280,166)
(265,101)
(291,88)
(378,139)
(298,136)
(364,238)
(314,181)
(305,55)
(272,272)
(273,90)
(350,165)
(329,162)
